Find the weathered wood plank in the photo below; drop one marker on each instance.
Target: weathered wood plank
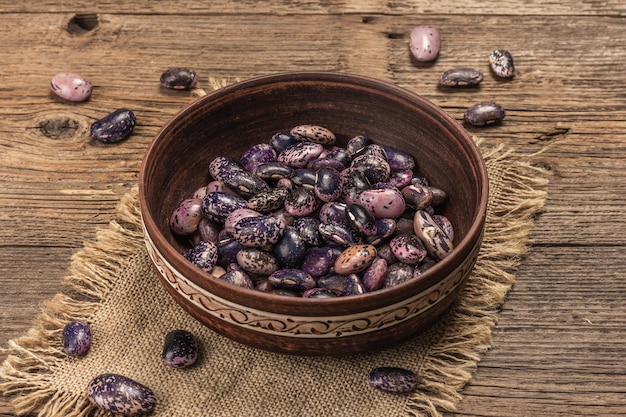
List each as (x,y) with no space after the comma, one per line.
(289,7)
(561,331)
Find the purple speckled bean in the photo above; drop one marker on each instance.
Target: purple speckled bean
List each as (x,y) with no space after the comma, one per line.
(186,217)
(120,394)
(300,154)
(114,127)
(392,379)
(374,276)
(77,338)
(180,349)
(383,203)
(408,249)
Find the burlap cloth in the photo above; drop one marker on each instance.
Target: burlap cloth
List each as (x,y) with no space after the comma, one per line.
(111,285)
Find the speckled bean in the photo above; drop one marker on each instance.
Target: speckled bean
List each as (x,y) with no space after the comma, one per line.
(501,62)
(71,87)
(77,337)
(114,127)
(393,379)
(425,42)
(355,259)
(180,349)
(484,113)
(312,133)
(179,78)
(120,394)
(461,77)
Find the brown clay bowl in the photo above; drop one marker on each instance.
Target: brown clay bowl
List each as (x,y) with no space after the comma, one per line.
(227,122)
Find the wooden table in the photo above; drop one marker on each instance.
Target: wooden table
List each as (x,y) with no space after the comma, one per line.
(560,343)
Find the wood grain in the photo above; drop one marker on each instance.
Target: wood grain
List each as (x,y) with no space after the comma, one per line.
(561,335)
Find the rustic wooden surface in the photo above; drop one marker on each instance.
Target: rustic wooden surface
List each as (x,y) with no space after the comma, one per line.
(560,343)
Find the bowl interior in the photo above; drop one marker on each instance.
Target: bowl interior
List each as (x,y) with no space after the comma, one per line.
(227,122)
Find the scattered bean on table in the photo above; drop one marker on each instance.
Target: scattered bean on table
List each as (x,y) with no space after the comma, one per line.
(114,127)
(484,113)
(501,62)
(71,87)
(301,216)
(179,78)
(461,77)
(425,42)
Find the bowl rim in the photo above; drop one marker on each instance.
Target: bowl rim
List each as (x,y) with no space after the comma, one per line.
(398,292)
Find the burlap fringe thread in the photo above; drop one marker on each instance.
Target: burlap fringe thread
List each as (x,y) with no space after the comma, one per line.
(470,322)
(27,372)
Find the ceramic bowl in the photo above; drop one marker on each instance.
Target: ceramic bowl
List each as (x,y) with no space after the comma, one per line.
(227,122)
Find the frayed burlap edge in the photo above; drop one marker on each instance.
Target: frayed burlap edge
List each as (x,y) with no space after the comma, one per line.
(450,362)
(26,375)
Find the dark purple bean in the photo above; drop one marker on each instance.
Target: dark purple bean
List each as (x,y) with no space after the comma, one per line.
(398,273)
(273,170)
(77,338)
(179,78)
(338,234)
(281,141)
(399,160)
(360,220)
(180,349)
(227,250)
(318,261)
(328,184)
(484,113)
(290,249)
(304,177)
(357,143)
(354,285)
(114,127)
(374,276)
(417,196)
(319,293)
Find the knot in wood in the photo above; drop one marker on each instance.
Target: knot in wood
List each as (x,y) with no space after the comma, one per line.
(82,23)
(59,128)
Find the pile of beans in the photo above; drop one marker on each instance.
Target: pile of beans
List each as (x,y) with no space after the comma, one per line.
(300,216)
